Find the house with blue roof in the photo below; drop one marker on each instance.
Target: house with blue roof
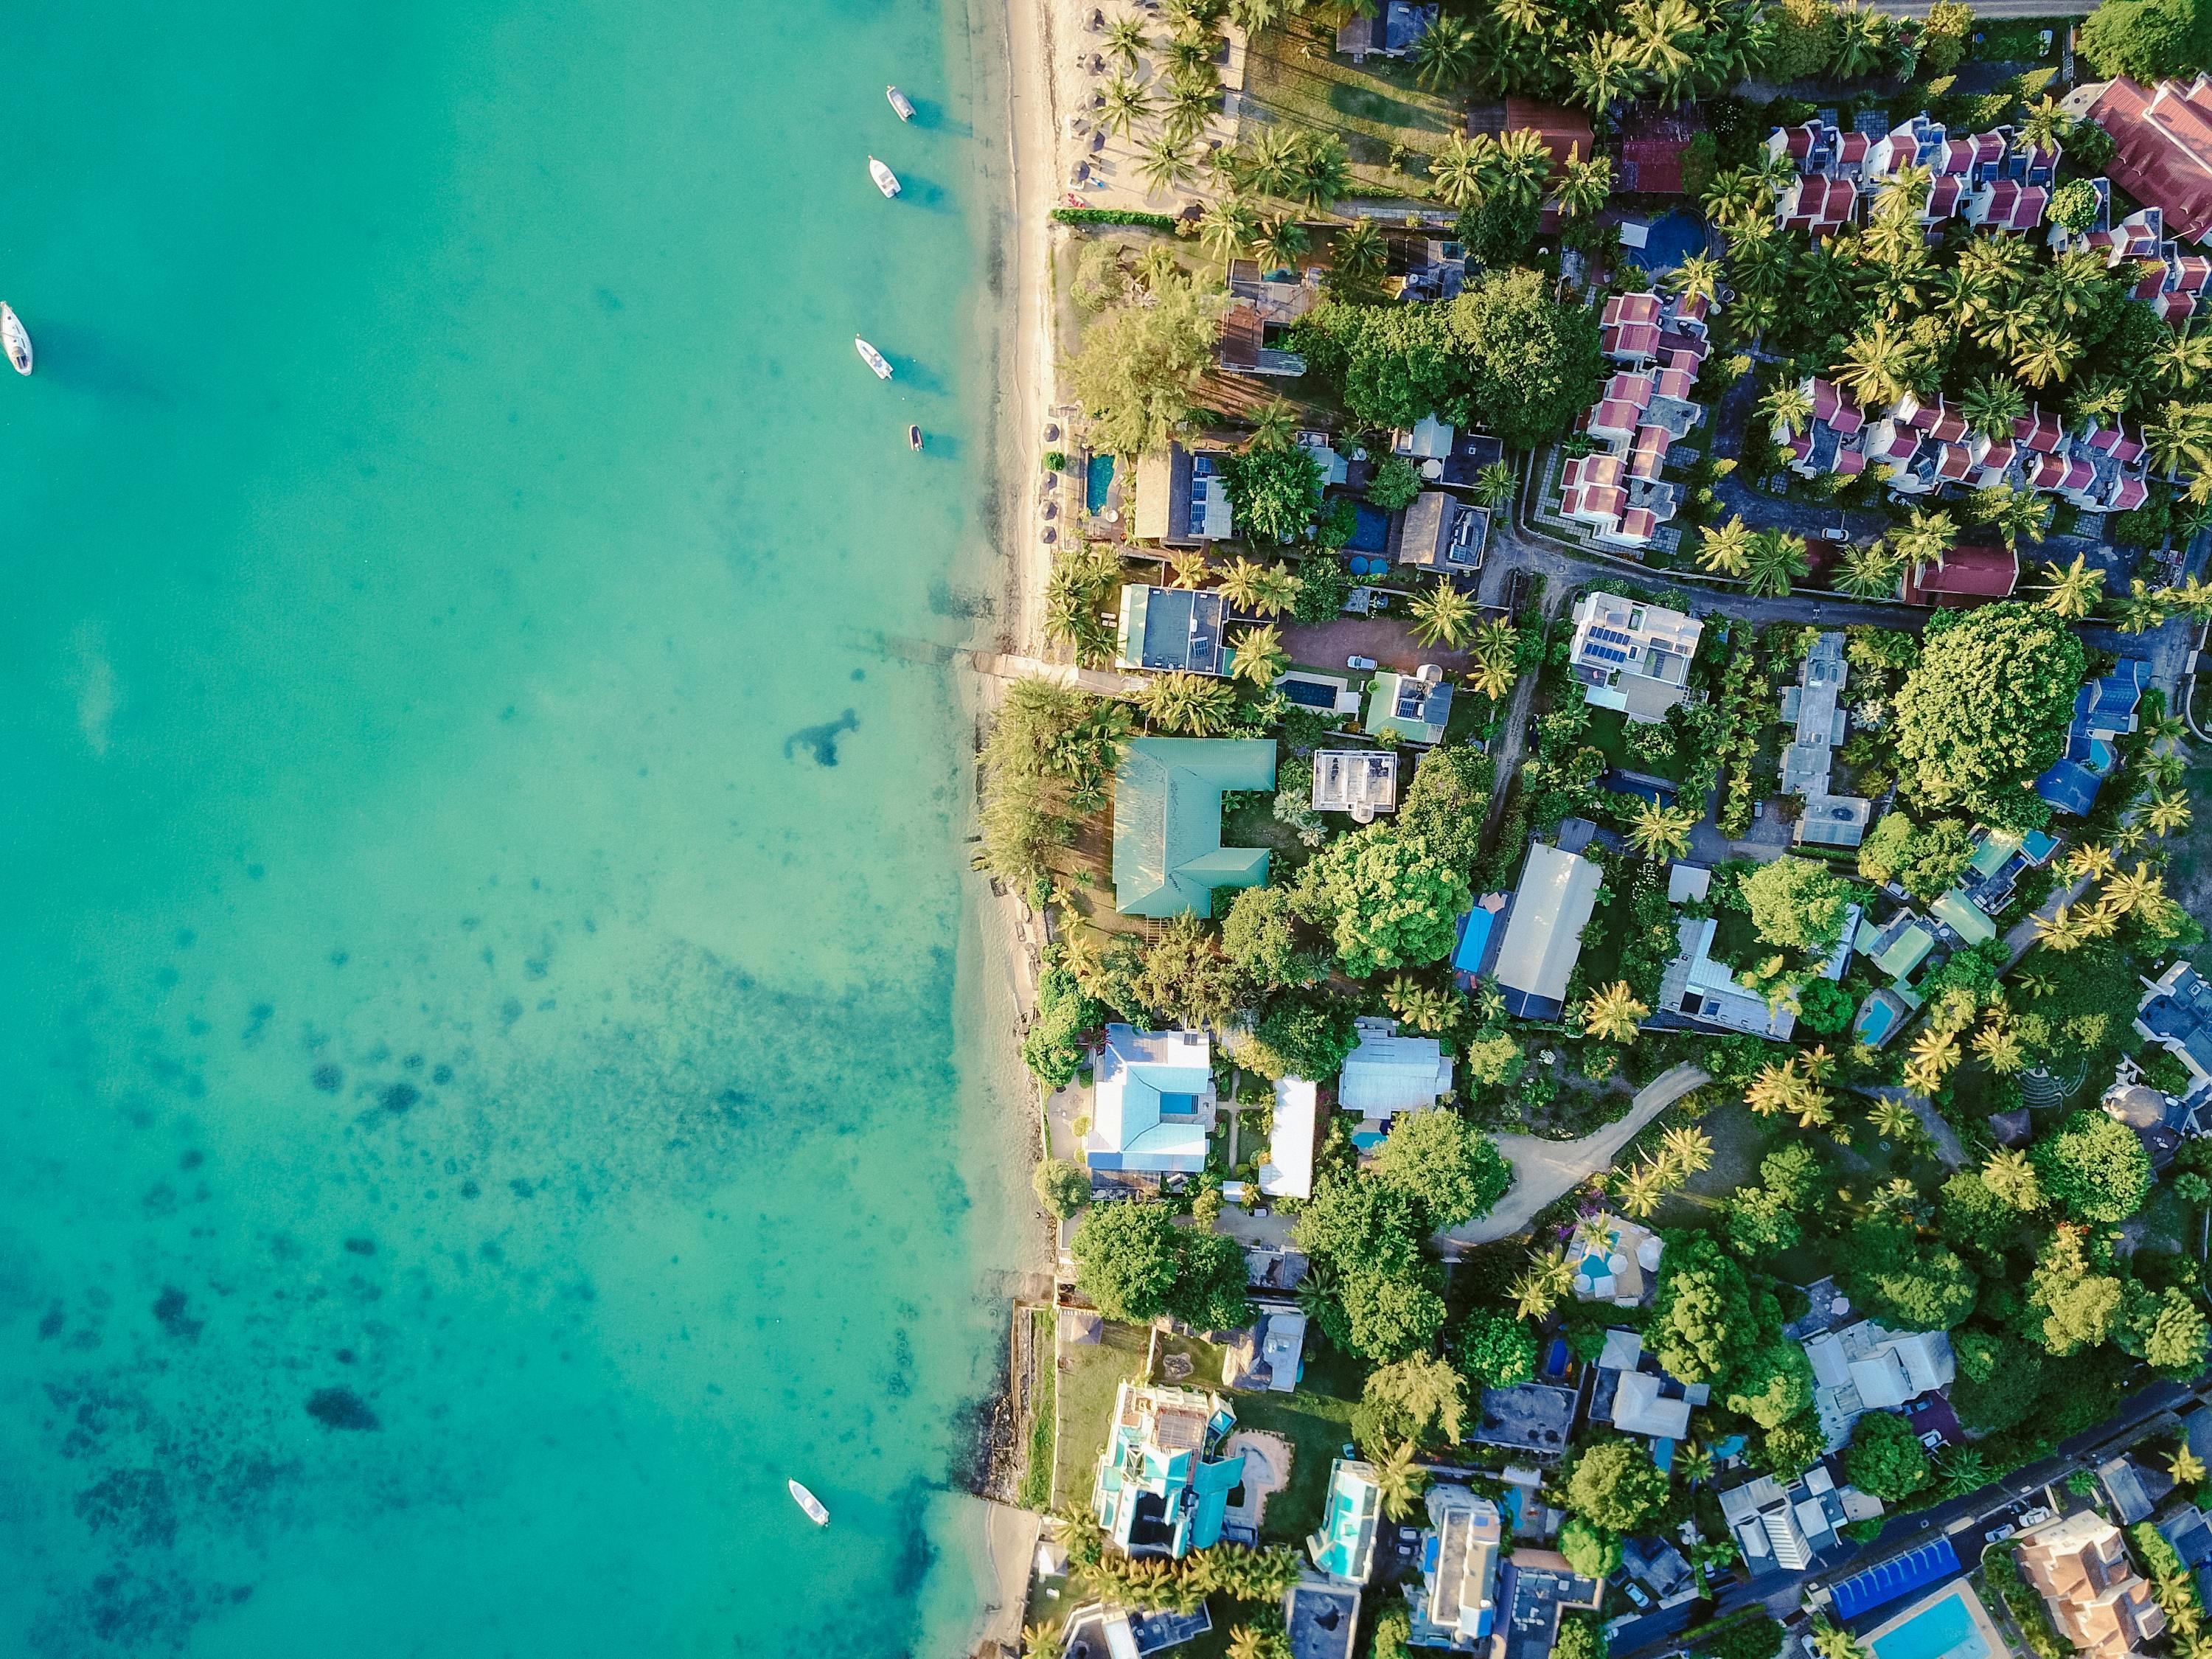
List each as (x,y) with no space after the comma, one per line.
(1455,1603)
(1162,1484)
(2176,1013)
(1351,1514)
(2104,709)
(1153,1102)
(1168,856)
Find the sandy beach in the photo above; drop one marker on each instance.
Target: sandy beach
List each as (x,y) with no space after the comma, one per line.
(1030,369)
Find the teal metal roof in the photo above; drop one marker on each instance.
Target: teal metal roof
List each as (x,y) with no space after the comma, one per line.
(1167,855)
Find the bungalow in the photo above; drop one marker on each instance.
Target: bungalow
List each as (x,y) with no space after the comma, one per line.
(1386,1073)
(1242,349)
(1998,860)
(1988,177)
(1321,1618)
(1638,330)
(2163,140)
(1162,1485)
(1968,576)
(1898,947)
(2176,1013)
(1153,1103)
(1834,441)
(1533,1589)
(2097,1599)
(1705,990)
(1360,781)
(1454,1605)
(1867,1367)
(1636,1395)
(1288,1171)
(1094,1630)
(1183,499)
(1172,629)
(1544,931)
(1443,533)
(1633,657)
(1167,855)
(1391,33)
(1269,1356)
(1350,1515)
(1416,706)
(2104,709)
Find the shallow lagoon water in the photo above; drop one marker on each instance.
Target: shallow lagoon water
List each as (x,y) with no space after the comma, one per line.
(480,1065)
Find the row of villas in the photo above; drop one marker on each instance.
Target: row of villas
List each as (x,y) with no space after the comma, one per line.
(1990,180)
(1617,492)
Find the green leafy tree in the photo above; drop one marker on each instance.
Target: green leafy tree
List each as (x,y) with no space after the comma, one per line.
(1533,362)
(2093,1166)
(1796,904)
(1590,1550)
(1418,1400)
(1746,1636)
(1393,483)
(2149,40)
(1126,1257)
(1388,1315)
(2000,1381)
(1447,1171)
(2167,1332)
(1275,492)
(2078,1306)
(1385,900)
(1187,978)
(1261,939)
(1986,710)
(1139,365)
(1702,1328)
(1615,1484)
(1445,805)
(1774,1385)
(1210,1288)
(1906,1282)
(1497,1350)
(1301,1035)
(1886,1458)
(1062,1188)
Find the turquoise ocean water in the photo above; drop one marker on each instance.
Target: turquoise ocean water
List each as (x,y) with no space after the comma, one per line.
(480,1095)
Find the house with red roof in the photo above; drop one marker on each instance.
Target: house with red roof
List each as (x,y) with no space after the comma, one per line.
(1617,492)
(1834,441)
(1671,328)
(1968,576)
(2164,141)
(1987,177)
(1649,151)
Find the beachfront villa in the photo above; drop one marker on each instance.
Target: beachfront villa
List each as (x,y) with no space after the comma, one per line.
(1167,855)
(1163,1483)
(1171,630)
(1455,1603)
(1360,781)
(1344,1548)
(2097,1599)
(1153,1103)
(1183,499)
(1288,1169)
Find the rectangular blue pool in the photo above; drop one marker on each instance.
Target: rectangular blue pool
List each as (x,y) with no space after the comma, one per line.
(1097,479)
(1473,940)
(1943,1629)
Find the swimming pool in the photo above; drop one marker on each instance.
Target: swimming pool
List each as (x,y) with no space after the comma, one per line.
(1473,940)
(1371,531)
(1099,477)
(1673,237)
(1874,1023)
(1944,1629)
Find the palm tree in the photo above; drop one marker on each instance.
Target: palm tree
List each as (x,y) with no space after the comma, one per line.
(1787,407)
(1699,275)
(1254,15)
(2072,591)
(1522,166)
(1165,164)
(1691,1148)
(1545,1279)
(2012,1177)
(1443,616)
(1894,1120)
(1612,1013)
(1125,39)
(2182,358)
(2060,930)
(1665,35)
(1776,1087)
(2166,813)
(1400,1480)
(1604,73)
(1278,243)
(1191,53)
(2014,513)
(2000,1049)
(1727,548)
(1274,591)
(1260,658)
(1156,267)
(1751,316)
(2192,599)
(1444,54)
(1358,255)
(2044,126)
(2088,860)
(1495,484)
(1422,1007)
(1039,1641)
(1274,427)
(1496,655)
(2186,1468)
(2180,440)
(2141,889)
(1936,1050)
(1816,1108)
(1323,172)
(1694,1463)
(1191,104)
(2140,609)
(1641,1189)
(1736,197)
(1245,1642)
(1868,572)
(1991,404)
(1460,172)
(1877,367)
(1833,1642)
(1862,36)
(1963,1469)
(1779,558)
(1925,537)
(1584,187)
(1226,228)
(1269,164)
(1190,705)
(1126,101)
(2047,355)
(1661,832)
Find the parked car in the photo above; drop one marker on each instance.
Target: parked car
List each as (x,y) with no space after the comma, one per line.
(1367,663)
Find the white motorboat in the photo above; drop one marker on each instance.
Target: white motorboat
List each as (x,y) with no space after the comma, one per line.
(873,358)
(886,180)
(900,102)
(807,1501)
(15,338)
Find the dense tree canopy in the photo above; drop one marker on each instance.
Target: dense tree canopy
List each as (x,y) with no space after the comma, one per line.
(1384,898)
(1497,1350)
(1886,1457)
(1136,1264)
(1444,804)
(1906,1282)
(1275,491)
(1615,1484)
(1797,904)
(1139,367)
(1447,1171)
(2148,39)
(1419,1399)
(1259,935)
(1301,1035)
(1987,709)
(1702,1326)
(2093,1166)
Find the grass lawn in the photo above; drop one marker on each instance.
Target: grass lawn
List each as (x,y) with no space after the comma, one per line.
(1292,75)
(1087,1379)
(1251,821)
(2017,39)
(1608,730)
(1036,1477)
(1317,1422)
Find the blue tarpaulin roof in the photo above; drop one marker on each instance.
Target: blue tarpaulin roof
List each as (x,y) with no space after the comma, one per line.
(1900,1575)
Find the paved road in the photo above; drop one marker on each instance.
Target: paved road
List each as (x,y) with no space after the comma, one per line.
(1982,9)
(1544,1170)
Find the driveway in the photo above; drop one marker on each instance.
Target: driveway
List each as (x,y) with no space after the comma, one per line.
(1545,1170)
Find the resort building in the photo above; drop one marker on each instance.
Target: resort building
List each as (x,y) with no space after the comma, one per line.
(1153,1103)
(1967,577)
(1455,1603)
(1163,1483)
(1360,781)
(1533,1589)
(1814,706)
(1834,441)
(1176,630)
(1289,1168)
(1544,931)
(1098,1631)
(2097,1599)
(1443,533)
(1990,179)
(1636,330)
(1617,492)
(2176,1013)
(1705,990)
(1168,856)
(1385,1073)
(2163,138)
(2105,710)
(1636,1395)
(1534,1417)
(1183,499)
(1898,947)
(1778,1526)
(1242,349)
(1416,706)
(1866,1367)
(1344,1548)
(1633,657)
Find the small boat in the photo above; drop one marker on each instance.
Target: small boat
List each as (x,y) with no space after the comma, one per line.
(807,1501)
(886,180)
(872,358)
(15,338)
(900,102)
(914,437)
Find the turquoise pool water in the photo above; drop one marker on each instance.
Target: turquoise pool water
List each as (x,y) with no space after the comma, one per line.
(1944,1629)
(1875,1024)
(1098,479)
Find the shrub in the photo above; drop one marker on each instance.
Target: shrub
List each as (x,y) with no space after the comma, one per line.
(1061,1187)
(1113,217)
